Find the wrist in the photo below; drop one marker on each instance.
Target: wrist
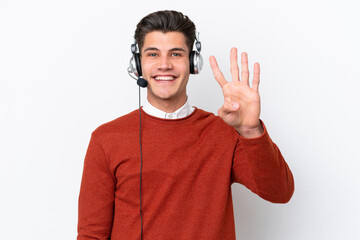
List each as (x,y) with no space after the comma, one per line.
(251,132)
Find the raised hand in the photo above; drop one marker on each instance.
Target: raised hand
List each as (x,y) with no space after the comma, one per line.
(241,108)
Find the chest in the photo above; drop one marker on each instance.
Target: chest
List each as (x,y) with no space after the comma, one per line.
(170,162)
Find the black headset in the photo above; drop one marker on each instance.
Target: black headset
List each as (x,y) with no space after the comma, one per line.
(196,63)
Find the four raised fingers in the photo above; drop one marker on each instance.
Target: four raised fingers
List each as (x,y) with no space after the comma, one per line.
(234,69)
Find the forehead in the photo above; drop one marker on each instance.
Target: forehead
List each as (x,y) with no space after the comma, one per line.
(164,41)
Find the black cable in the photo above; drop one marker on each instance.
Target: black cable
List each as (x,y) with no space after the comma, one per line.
(141,163)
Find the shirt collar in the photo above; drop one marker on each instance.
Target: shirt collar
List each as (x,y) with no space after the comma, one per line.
(182,112)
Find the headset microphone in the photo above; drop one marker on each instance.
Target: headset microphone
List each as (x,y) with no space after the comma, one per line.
(142,82)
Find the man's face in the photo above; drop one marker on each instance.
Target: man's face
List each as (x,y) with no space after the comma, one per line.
(165,65)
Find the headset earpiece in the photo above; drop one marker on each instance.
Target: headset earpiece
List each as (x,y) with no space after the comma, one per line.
(135,63)
(192,62)
(138,64)
(135,67)
(196,61)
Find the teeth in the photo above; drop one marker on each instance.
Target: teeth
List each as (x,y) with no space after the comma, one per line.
(164,78)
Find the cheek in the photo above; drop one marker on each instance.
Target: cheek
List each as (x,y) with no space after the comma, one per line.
(145,68)
(184,67)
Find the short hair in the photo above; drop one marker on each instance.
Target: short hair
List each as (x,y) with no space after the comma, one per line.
(166,21)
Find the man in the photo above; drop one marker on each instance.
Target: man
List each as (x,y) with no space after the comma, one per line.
(190,156)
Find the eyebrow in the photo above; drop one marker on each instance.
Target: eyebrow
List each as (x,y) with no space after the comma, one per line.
(171,50)
(177,49)
(151,49)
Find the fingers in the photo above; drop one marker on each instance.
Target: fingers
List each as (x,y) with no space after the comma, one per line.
(244,68)
(234,67)
(216,71)
(256,79)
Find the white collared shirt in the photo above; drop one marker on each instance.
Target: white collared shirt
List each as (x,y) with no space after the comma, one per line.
(182,112)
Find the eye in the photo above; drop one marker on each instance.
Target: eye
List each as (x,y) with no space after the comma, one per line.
(176,54)
(152,54)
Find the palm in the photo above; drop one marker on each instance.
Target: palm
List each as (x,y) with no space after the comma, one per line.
(247,99)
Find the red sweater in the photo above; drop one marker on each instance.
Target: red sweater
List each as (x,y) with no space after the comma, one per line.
(189,165)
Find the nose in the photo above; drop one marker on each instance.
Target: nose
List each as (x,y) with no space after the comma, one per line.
(165,63)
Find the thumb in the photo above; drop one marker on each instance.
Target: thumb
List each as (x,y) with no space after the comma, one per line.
(227,108)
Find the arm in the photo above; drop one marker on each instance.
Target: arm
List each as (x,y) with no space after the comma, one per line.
(259,165)
(96,199)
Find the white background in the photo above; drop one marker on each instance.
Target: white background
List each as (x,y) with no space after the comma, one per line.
(63,73)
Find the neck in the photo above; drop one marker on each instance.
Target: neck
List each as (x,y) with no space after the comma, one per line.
(167,105)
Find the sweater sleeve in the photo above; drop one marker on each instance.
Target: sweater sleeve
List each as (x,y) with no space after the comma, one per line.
(259,165)
(96,198)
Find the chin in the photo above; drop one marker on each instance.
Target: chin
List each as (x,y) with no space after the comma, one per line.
(164,96)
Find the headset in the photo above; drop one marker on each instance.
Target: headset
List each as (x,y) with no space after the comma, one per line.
(196,62)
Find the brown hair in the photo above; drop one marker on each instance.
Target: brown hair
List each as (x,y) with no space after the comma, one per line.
(165,21)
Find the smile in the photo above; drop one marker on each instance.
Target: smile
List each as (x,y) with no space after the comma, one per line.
(164,78)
